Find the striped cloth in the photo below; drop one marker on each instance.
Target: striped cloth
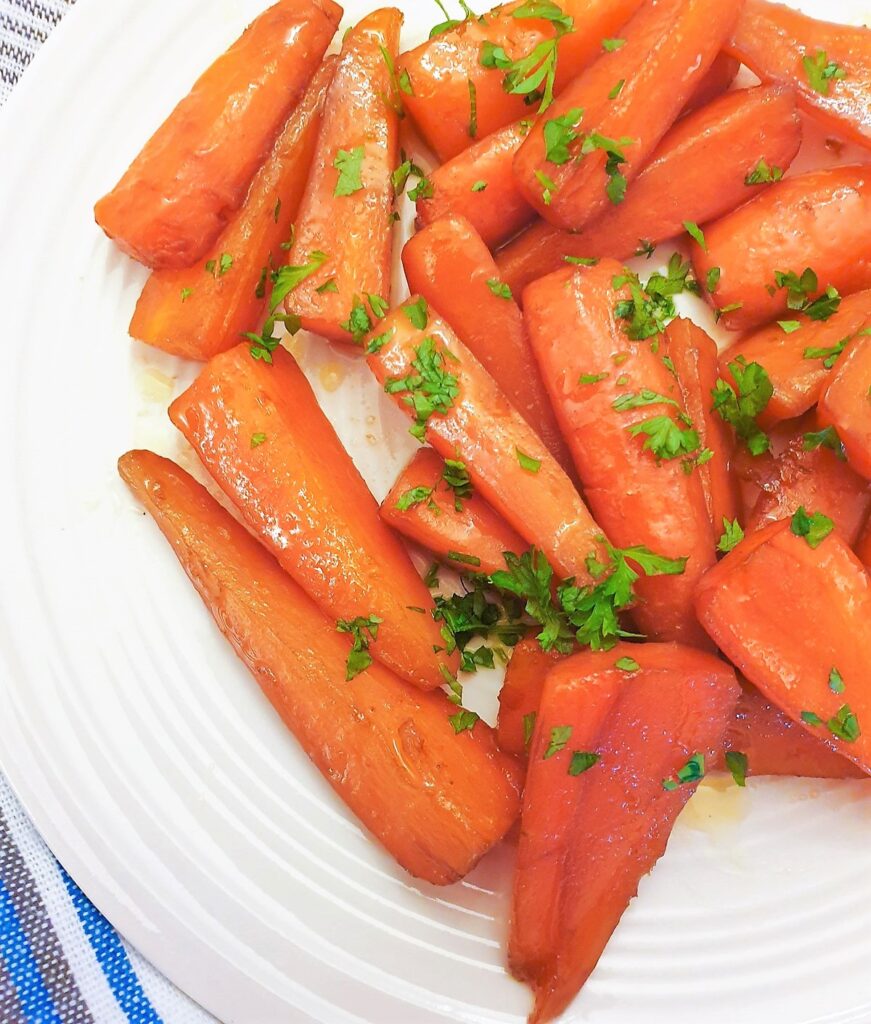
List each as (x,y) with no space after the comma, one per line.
(61,962)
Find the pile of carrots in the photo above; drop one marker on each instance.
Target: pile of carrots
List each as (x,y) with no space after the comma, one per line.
(667,544)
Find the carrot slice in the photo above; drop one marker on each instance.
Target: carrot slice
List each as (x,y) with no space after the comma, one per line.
(464,415)
(591,367)
(193,173)
(846,406)
(863,546)
(521,694)
(781,44)
(796,620)
(262,435)
(451,267)
(195,313)
(437,801)
(460,531)
(698,172)
(720,76)
(346,213)
(669,48)
(819,220)
(589,836)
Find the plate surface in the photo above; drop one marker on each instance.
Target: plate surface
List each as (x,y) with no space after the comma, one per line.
(146,754)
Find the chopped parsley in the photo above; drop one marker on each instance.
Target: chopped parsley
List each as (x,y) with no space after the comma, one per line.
(692,771)
(617,89)
(349,164)
(592,378)
(428,389)
(399,83)
(548,187)
(814,528)
(473,110)
(328,287)
(799,290)
(479,186)
(219,267)
(733,534)
(286,279)
(499,288)
(821,72)
(741,407)
(359,323)
(666,438)
(695,232)
(463,559)
(529,727)
(737,764)
(712,279)
(581,261)
(187,292)
(610,45)
(417,313)
(527,462)
(478,614)
(363,630)
(581,762)
(763,174)
(559,135)
(257,440)
(559,737)
(456,477)
(450,23)
(627,665)
(843,726)
(414,496)
(651,306)
(614,150)
(826,438)
(407,169)
(376,344)
(828,355)
(463,721)
(789,326)
(836,681)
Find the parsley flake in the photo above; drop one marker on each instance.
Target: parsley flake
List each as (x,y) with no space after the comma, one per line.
(463,721)
(763,174)
(257,440)
(836,681)
(826,438)
(559,135)
(499,288)
(456,477)
(732,536)
(592,378)
(186,294)
(412,497)
(627,665)
(610,45)
(417,313)
(737,764)
(428,389)
(527,462)
(829,355)
(479,186)
(695,232)
(363,630)
(529,727)
(349,164)
(741,404)
(559,737)
(581,261)
(548,187)
(692,771)
(821,72)
(581,762)
(814,528)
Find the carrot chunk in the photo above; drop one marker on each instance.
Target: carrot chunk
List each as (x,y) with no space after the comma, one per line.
(863,546)
(521,694)
(846,404)
(720,76)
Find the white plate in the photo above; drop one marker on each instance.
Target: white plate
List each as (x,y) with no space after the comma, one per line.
(146,754)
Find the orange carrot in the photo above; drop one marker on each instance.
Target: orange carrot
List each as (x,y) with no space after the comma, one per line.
(462,531)
(437,801)
(819,220)
(193,173)
(863,546)
(613,397)
(345,226)
(261,434)
(460,410)
(521,694)
(194,312)
(795,619)
(845,404)
(698,172)
(591,831)
(451,267)
(669,47)
(828,65)
(720,76)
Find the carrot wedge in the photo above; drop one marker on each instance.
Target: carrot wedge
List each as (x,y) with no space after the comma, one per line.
(828,65)
(863,546)
(597,136)
(346,214)
(451,267)
(195,313)
(819,220)
(607,410)
(193,173)
(721,74)
(521,694)
(462,413)
(698,172)
(796,621)
(262,435)
(437,801)
(601,799)
(845,404)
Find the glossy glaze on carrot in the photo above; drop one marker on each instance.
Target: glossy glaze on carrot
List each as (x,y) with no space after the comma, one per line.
(721,74)
(845,403)
(521,694)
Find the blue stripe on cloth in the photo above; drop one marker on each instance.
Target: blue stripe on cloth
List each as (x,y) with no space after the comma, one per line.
(33,996)
(113,959)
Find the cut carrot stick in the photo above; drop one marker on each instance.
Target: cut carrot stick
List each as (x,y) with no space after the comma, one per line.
(610,395)
(613,129)
(196,313)
(262,435)
(521,694)
(447,70)
(462,413)
(451,267)
(819,220)
(591,831)
(436,800)
(720,76)
(346,214)
(460,531)
(828,65)
(698,172)
(796,621)
(193,173)
(845,404)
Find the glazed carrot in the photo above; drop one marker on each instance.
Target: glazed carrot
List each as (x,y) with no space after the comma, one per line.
(694,357)
(346,213)
(781,44)
(451,267)
(590,832)
(193,173)
(698,172)
(261,434)
(437,801)
(819,220)
(796,621)
(444,72)
(863,546)
(640,496)
(460,410)
(845,404)
(196,313)
(521,694)
(669,47)
(720,76)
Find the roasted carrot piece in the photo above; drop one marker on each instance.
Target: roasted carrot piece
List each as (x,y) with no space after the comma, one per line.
(828,65)
(698,172)
(863,546)
(451,267)
(600,800)
(462,413)
(720,76)
(819,220)
(196,313)
(346,212)
(262,435)
(460,531)
(609,394)
(795,619)
(447,70)
(193,173)
(521,694)
(437,801)
(613,129)
(845,404)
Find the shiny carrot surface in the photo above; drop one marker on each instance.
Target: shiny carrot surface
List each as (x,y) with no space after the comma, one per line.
(845,404)
(521,694)
(720,76)
(194,172)
(261,434)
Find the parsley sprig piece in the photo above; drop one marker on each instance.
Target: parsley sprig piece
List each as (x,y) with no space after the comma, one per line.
(407,169)
(764,173)
(478,614)
(284,281)
(692,771)
(821,72)
(828,437)
(615,158)
(451,23)
(456,477)
(844,725)
(349,164)
(559,738)
(651,306)
(363,630)
(829,355)
(429,389)
(814,528)
(582,761)
(732,536)
(799,290)
(737,763)
(741,404)
(560,133)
